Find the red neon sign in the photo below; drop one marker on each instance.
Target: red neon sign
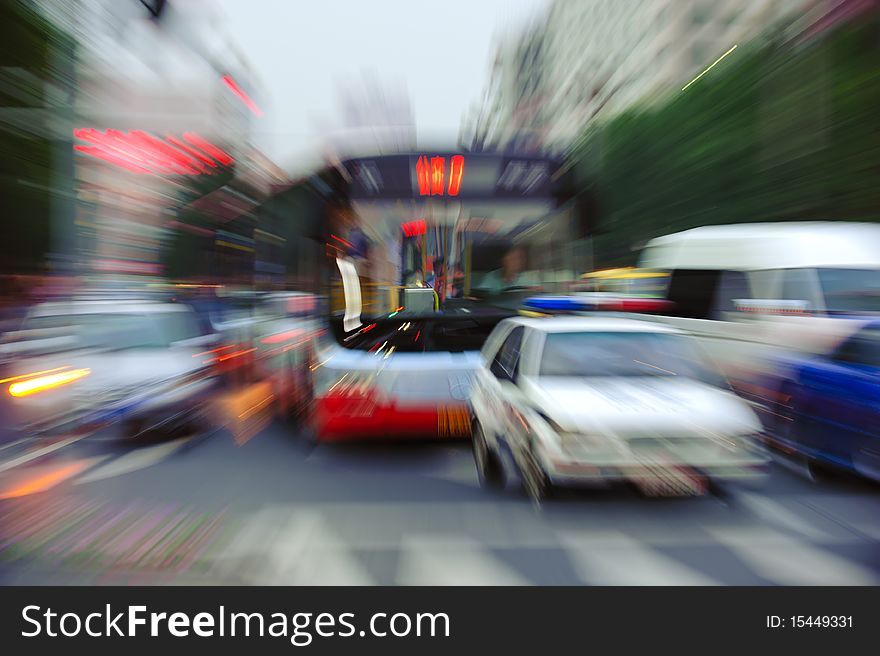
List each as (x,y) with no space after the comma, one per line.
(414,228)
(140,152)
(431,175)
(237,90)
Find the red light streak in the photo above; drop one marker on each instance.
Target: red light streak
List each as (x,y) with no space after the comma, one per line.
(438,174)
(141,152)
(189,149)
(423,175)
(219,348)
(456,169)
(223,358)
(208,147)
(237,90)
(281,337)
(190,165)
(340,239)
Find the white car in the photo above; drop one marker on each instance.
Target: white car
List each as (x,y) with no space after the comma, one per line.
(89,363)
(569,400)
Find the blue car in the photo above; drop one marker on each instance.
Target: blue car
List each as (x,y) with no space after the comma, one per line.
(827,408)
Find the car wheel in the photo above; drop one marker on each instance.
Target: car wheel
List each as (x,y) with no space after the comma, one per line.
(489,467)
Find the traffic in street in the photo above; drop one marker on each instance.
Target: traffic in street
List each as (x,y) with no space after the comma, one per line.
(571,292)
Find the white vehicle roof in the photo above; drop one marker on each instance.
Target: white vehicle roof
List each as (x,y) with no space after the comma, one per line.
(53,309)
(755,246)
(596,324)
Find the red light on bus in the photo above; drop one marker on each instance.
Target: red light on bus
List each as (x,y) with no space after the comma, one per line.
(438,174)
(423,175)
(431,175)
(414,228)
(456,169)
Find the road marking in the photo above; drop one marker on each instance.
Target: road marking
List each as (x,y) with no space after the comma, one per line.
(140,459)
(786,560)
(429,560)
(614,558)
(280,547)
(33,455)
(774,512)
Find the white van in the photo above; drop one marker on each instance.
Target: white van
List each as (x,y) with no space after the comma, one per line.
(781,285)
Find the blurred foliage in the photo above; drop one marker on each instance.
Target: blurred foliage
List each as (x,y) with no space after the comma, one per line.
(779,131)
(33,55)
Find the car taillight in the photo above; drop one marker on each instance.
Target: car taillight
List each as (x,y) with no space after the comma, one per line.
(42,383)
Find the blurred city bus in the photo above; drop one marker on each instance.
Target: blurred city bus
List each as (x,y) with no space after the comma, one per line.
(426,254)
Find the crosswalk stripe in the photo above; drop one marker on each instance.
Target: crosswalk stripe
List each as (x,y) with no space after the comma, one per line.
(280,547)
(38,453)
(614,558)
(774,512)
(427,560)
(130,462)
(785,560)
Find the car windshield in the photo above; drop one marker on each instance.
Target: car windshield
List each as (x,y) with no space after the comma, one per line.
(851,290)
(589,354)
(122,331)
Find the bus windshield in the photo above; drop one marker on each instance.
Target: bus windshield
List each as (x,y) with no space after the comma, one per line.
(449,282)
(444,270)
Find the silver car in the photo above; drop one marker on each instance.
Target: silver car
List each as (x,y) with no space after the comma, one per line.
(89,363)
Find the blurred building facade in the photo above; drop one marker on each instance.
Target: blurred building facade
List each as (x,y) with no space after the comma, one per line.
(587,59)
(175,77)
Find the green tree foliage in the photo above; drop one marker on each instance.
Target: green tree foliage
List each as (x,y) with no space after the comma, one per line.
(32,54)
(778,131)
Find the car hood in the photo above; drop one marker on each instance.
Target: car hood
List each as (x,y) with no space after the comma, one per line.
(642,406)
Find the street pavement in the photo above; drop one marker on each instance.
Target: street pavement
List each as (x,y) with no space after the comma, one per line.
(271,509)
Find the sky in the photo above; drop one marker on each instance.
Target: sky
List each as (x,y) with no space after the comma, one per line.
(304,51)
